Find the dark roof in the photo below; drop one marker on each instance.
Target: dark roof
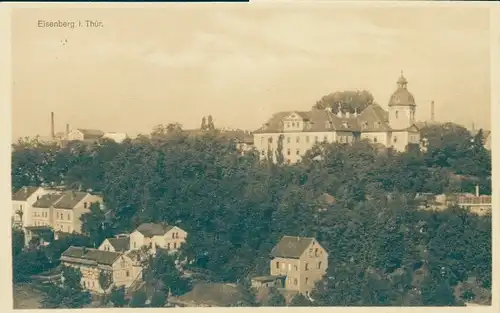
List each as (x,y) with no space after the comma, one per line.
(98,256)
(70,199)
(372,118)
(48,200)
(91,133)
(120,244)
(152,229)
(402,96)
(267,278)
(24,193)
(291,247)
(74,252)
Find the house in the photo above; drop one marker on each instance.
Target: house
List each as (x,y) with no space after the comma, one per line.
(117,137)
(22,203)
(82,134)
(118,244)
(157,235)
(59,211)
(302,260)
(91,262)
(298,131)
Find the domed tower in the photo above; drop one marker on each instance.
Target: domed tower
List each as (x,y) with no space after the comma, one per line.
(401,106)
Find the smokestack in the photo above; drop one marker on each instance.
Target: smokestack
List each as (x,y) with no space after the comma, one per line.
(432,111)
(477,190)
(67,130)
(52,132)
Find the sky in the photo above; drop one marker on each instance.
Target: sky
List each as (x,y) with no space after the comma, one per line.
(241,63)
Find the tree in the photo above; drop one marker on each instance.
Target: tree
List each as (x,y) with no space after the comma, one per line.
(280,157)
(105,281)
(158,299)
(160,271)
(300,300)
(69,295)
(276,298)
(138,300)
(349,101)
(118,297)
(93,224)
(210,123)
(204,123)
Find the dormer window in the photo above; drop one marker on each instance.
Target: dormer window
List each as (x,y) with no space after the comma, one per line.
(377,124)
(364,125)
(345,124)
(327,125)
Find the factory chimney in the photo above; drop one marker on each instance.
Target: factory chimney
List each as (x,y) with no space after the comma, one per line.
(432,111)
(67,131)
(52,131)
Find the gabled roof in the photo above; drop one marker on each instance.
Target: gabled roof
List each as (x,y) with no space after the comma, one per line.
(89,254)
(153,229)
(291,247)
(24,193)
(70,199)
(91,133)
(374,119)
(48,200)
(119,244)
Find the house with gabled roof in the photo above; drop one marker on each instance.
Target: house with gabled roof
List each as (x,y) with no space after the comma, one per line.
(22,203)
(298,131)
(84,134)
(91,262)
(117,244)
(157,235)
(300,262)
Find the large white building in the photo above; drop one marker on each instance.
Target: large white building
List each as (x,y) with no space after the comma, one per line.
(300,130)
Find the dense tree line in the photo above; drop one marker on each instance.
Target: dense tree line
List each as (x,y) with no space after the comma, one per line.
(235,208)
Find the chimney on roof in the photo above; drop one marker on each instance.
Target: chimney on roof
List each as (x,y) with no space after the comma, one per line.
(347,114)
(356,112)
(52,127)
(477,190)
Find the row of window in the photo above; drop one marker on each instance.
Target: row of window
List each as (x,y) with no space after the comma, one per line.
(41,223)
(43,214)
(295,281)
(64,229)
(295,267)
(342,139)
(134,244)
(60,216)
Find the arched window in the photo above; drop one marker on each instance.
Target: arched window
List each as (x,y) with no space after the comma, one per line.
(396,114)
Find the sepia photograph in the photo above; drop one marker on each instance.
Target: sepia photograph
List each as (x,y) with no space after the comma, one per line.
(251,155)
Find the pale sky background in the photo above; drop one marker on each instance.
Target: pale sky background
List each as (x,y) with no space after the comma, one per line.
(242,63)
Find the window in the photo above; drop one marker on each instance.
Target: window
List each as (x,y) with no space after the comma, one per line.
(319,265)
(316,252)
(21,207)
(68,217)
(262,152)
(316,139)
(396,114)
(296,267)
(288,151)
(325,138)
(307,280)
(85,205)
(176,235)
(307,267)
(173,235)
(135,245)
(277,264)
(307,139)
(127,273)
(288,139)
(374,139)
(298,124)
(175,245)
(297,139)
(295,281)
(395,139)
(287,124)
(298,152)
(168,246)
(293,124)
(122,263)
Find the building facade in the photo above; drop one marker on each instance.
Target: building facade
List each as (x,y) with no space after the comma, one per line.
(298,262)
(157,235)
(298,131)
(22,204)
(122,270)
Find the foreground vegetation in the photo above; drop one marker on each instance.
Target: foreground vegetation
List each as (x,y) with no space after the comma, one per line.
(383,251)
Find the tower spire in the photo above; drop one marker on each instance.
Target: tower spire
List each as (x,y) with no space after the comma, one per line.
(402,82)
